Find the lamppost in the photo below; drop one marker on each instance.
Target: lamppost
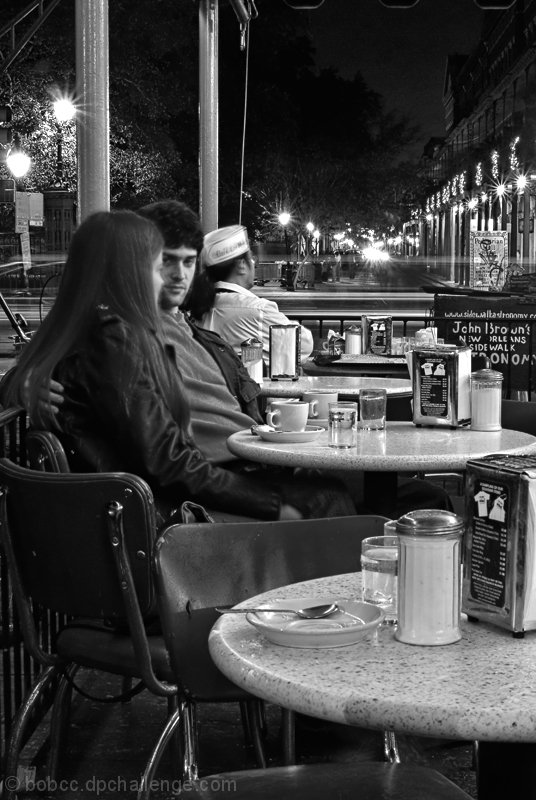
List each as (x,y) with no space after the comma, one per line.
(310,228)
(284,219)
(17,161)
(64,111)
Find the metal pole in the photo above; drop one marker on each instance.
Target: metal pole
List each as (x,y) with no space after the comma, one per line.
(93,119)
(208,113)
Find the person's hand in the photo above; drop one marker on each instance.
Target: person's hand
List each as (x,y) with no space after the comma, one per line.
(49,399)
(289,512)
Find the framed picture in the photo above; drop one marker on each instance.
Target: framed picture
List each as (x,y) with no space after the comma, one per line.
(488,260)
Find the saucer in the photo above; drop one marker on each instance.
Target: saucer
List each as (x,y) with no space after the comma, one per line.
(347,626)
(310,433)
(323,423)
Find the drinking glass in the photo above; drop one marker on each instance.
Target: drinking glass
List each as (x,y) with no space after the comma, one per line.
(342,425)
(373,404)
(379,573)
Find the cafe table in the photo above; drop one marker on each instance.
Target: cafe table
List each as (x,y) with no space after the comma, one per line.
(348,388)
(479,688)
(401,447)
(367,364)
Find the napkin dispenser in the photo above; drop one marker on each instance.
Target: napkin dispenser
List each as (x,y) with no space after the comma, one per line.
(441,377)
(377,333)
(499,572)
(285,349)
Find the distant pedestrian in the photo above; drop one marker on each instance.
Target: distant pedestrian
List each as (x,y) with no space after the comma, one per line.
(337,267)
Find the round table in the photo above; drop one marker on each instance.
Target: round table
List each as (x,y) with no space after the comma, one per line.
(478,688)
(401,447)
(346,387)
(367,364)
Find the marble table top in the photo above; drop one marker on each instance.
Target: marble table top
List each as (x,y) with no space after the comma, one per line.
(345,386)
(478,688)
(402,447)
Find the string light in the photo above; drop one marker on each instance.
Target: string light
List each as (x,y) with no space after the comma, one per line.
(514,161)
(495,165)
(478,174)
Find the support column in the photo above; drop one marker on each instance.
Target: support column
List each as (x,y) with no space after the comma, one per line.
(208,114)
(93,120)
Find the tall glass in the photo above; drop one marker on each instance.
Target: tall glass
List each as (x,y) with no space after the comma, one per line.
(342,423)
(379,573)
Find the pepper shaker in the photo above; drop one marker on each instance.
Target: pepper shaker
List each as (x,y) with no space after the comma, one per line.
(429,577)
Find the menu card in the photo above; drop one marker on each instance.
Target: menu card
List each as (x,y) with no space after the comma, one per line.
(499,583)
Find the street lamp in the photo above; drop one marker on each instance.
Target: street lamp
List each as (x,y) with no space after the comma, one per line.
(17,161)
(64,111)
(284,219)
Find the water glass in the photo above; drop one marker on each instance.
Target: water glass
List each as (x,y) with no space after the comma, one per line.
(379,573)
(342,423)
(373,405)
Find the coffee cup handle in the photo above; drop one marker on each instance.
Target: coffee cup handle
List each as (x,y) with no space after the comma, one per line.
(312,409)
(270,418)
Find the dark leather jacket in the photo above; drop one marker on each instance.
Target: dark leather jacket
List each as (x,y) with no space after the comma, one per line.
(117,416)
(238,380)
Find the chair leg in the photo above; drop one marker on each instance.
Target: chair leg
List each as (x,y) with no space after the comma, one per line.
(176,743)
(390,747)
(18,730)
(256,736)
(288,731)
(156,754)
(190,769)
(59,722)
(246,722)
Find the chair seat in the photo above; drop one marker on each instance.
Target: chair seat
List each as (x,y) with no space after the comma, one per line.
(97,647)
(370,780)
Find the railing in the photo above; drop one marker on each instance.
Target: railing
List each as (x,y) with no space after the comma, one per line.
(514,359)
(18,670)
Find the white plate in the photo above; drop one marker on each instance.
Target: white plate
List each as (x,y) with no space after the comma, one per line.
(290,437)
(347,626)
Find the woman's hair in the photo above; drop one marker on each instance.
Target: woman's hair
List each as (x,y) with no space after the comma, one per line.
(109,264)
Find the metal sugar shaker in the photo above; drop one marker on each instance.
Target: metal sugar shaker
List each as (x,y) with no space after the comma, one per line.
(429,577)
(251,352)
(353,340)
(486,400)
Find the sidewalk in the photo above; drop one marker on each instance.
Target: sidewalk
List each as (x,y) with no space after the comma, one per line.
(107,746)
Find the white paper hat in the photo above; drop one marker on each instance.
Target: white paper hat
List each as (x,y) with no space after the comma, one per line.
(223,244)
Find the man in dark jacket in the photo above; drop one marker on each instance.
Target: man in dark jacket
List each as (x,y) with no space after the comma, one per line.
(221,394)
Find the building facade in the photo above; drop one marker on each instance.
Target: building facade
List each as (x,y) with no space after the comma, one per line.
(482,176)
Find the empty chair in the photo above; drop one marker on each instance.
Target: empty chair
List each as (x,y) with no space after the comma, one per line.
(200,566)
(80,545)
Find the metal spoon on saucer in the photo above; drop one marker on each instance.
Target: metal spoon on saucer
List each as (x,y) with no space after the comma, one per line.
(311,612)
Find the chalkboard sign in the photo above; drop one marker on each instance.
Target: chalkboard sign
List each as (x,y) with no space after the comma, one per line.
(503,328)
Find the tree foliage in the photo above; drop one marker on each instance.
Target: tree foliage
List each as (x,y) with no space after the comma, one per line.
(316,144)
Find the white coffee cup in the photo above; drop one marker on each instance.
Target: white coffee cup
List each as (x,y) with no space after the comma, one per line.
(319,403)
(284,416)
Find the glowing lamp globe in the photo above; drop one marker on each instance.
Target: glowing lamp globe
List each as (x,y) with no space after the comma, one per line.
(18,163)
(64,110)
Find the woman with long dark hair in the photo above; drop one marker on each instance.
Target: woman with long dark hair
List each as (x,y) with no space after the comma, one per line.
(124,401)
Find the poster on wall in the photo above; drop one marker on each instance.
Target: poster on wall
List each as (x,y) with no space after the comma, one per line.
(488,258)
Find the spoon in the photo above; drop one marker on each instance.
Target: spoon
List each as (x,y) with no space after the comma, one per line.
(311,612)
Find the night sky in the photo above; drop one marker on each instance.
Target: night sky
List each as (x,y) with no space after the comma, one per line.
(401,53)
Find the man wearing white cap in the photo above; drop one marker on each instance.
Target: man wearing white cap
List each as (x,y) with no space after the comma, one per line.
(224,302)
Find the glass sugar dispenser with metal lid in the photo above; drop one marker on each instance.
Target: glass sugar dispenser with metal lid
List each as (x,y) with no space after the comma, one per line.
(429,577)
(486,399)
(251,353)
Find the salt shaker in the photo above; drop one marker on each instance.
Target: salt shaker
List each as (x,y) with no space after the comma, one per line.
(353,340)
(251,351)
(429,577)
(486,400)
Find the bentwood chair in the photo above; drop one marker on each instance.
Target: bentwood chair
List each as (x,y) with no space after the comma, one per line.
(80,545)
(199,567)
